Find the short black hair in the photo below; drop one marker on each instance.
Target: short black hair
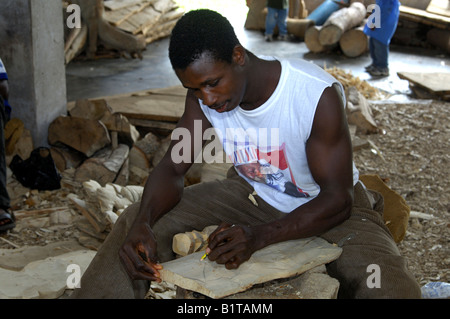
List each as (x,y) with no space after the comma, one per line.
(198,32)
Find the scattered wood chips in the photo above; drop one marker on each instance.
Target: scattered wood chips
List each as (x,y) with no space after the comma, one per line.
(347,80)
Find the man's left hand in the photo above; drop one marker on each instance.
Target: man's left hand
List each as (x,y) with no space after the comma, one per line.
(231,245)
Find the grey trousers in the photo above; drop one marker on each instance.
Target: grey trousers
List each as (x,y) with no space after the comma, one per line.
(364,238)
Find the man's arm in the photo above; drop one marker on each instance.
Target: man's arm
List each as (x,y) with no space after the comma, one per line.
(163,190)
(329,154)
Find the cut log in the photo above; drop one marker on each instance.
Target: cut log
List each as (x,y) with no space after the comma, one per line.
(100,29)
(255,17)
(354,42)
(341,21)
(297,9)
(13,132)
(427,18)
(66,158)
(359,112)
(84,135)
(77,43)
(322,12)
(312,41)
(126,132)
(90,109)
(104,166)
(298,27)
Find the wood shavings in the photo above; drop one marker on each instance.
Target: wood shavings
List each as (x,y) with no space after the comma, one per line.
(348,80)
(252,198)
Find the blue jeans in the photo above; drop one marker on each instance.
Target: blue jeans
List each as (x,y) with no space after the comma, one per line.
(379,52)
(276,17)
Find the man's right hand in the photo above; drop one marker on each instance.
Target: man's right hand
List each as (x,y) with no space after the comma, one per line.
(138,254)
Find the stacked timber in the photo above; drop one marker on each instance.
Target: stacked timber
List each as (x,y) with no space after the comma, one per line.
(118,27)
(297,24)
(424,26)
(343,29)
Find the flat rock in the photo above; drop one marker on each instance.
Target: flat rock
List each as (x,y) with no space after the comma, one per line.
(281,260)
(43,279)
(17,259)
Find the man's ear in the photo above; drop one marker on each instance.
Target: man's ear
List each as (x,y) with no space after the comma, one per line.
(239,54)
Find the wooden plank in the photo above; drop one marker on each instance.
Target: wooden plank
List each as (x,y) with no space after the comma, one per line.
(119,16)
(422,16)
(135,23)
(437,83)
(441,7)
(281,260)
(119,4)
(155,107)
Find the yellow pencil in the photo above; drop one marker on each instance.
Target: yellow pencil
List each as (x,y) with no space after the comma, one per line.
(204,256)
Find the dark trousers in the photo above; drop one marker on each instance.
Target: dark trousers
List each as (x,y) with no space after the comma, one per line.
(4,197)
(364,238)
(379,52)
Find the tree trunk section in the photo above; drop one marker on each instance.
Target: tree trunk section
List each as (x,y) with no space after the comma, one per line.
(312,40)
(341,21)
(354,42)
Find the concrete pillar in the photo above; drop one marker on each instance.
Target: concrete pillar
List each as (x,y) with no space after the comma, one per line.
(32,49)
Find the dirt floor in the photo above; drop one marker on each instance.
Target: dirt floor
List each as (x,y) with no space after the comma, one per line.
(410,153)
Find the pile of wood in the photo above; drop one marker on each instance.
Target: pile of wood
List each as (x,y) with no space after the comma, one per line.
(343,29)
(296,20)
(424,26)
(118,27)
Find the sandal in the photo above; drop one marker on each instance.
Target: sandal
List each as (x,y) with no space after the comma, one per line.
(7,220)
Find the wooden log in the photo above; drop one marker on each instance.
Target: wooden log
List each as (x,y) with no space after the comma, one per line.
(322,12)
(76,43)
(90,109)
(421,16)
(354,42)
(359,112)
(101,30)
(312,41)
(84,135)
(256,16)
(13,131)
(66,158)
(297,9)
(118,123)
(341,21)
(298,27)
(104,166)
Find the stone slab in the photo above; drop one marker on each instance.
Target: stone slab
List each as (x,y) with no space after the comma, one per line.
(17,259)
(282,260)
(43,279)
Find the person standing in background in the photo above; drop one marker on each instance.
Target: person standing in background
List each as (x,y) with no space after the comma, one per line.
(380,34)
(7,221)
(277,11)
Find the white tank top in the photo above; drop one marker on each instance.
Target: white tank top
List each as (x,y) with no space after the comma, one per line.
(267,145)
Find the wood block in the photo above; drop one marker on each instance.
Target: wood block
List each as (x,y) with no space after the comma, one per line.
(437,83)
(281,260)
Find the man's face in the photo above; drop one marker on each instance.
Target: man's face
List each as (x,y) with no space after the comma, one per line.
(218,84)
(252,171)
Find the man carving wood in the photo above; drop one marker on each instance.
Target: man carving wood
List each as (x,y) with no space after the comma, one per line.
(307,142)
